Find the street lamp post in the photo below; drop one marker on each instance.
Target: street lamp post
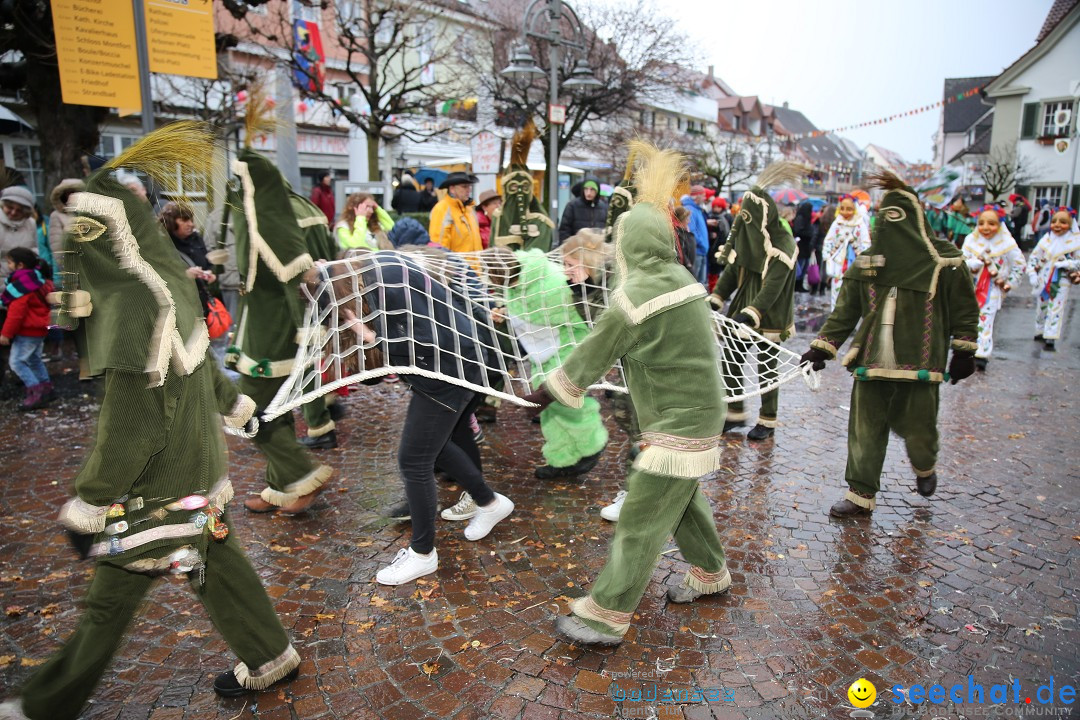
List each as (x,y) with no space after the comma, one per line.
(523,67)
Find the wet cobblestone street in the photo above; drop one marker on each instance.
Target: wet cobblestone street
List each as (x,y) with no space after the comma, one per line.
(982,579)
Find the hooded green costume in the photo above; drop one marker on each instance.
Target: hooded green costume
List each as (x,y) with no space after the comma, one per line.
(521,223)
(272,253)
(541,298)
(911,298)
(661,331)
(153,488)
(759,277)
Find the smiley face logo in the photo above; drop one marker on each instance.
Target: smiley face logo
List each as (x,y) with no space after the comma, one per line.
(862,693)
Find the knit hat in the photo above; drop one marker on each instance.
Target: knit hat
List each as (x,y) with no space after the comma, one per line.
(19,195)
(697,189)
(719,202)
(591,184)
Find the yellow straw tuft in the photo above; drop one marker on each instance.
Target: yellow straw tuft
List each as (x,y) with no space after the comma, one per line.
(181,150)
(657,173)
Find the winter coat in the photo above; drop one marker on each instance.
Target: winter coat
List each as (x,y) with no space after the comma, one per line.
(698,226)
(407,231)
(453,225)
(484,223)
(407,197)
(323,197)
(13,235)
(580,213)
(360,235)
(27,310)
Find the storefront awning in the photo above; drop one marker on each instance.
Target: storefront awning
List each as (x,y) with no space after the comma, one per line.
(10,123)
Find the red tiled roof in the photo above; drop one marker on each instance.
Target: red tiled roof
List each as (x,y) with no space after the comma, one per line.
(1057,13)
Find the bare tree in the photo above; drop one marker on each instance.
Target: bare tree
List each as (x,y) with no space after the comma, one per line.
(633,50)
(1005,168)
(396,57)
(729,159)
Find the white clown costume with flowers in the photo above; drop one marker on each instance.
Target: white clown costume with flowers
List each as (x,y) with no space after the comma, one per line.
(842,244)
(1048,269)
(991,260)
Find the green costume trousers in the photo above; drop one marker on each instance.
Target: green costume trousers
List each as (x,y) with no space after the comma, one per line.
(287,461)
(877,406)
(317,416)
(571,434)
(733,377)
(232,594)
(656,507)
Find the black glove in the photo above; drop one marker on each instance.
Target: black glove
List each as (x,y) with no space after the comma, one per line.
(962,365)
(815,357)
(541,398)
(82,543)
(744,318)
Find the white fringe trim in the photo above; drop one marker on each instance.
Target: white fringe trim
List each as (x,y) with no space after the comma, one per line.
(868,503)
(307,484)
(321,430)
(564,391)
(766,422)
(268,673)
(241,412)
(282,272)
(81,516)
(678,463)
(640,313)
(586,607)
(221,493)
(166,345)
(770,251)
(707,588)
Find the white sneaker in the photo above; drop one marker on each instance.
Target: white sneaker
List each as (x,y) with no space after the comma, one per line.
(611,512)
(488,517)
(407,566)
(463,510)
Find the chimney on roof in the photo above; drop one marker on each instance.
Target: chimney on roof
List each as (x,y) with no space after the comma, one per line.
(785,104)
(711,72)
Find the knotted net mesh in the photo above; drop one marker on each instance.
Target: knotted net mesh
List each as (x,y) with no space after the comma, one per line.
(494,321)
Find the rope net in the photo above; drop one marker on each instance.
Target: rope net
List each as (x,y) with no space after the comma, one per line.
(495,321)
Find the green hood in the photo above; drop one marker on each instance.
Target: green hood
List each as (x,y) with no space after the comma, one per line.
(902,253)
(521,222)
(757,236)
(266,227)
(123,275)
(648,278)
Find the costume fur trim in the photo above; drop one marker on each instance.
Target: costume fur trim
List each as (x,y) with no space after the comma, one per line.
(825,346)
(754,314)
(670,462)
(82,517)
(268,673)
(640,313)
(893,374)
(321,430)
(708,583)
(166,345)
(868,503)
(768,422)
(586,607)
(246,365)
(293,492)
(923,473)
(241,412)
(282,272)
(964,345)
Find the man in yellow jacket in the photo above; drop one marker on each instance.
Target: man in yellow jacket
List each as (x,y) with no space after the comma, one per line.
(453,219)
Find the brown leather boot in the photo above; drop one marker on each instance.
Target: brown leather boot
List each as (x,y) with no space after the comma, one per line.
(302,503)
(846,508)
(256,504)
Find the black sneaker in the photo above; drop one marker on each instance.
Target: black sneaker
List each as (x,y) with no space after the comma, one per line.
(730,425)
(760,432)
(398,512)
(226,684)
(980,364)
(322,442)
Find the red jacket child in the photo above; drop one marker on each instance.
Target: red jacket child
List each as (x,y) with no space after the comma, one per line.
(27,309)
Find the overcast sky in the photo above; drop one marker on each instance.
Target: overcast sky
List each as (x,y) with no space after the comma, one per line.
(845,62)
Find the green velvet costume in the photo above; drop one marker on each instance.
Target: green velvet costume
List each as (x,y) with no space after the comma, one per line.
(541,298)
(910,297)
(660,329)
(158,441)
(521,223)
(621,200)
(272,253)
(759,277)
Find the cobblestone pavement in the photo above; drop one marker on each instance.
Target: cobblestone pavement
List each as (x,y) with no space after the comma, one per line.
(980,580)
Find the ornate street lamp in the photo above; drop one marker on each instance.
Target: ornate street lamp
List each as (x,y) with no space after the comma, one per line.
(523,67)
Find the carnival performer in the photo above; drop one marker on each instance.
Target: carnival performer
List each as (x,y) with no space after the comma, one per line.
(151,496)
(409,319)
(848,236)
(272,256)
(662,332)
(1053,266)
(759,278)
(522,223)
(996,266)
(540,309)
(910,300)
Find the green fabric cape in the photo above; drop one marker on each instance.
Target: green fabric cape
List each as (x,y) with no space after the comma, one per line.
(902,253)
(144,310)
(648,278)
(757,235)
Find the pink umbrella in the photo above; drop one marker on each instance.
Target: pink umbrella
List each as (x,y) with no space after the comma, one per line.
(788,196)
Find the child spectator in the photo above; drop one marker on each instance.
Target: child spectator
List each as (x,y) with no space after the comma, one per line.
(687,241)
(27,323)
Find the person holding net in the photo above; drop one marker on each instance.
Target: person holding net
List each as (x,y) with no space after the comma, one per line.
(661,331)
(759,277)
(404,319)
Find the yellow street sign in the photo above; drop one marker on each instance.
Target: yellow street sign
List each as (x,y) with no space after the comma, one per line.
(95,47)
(180,35)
